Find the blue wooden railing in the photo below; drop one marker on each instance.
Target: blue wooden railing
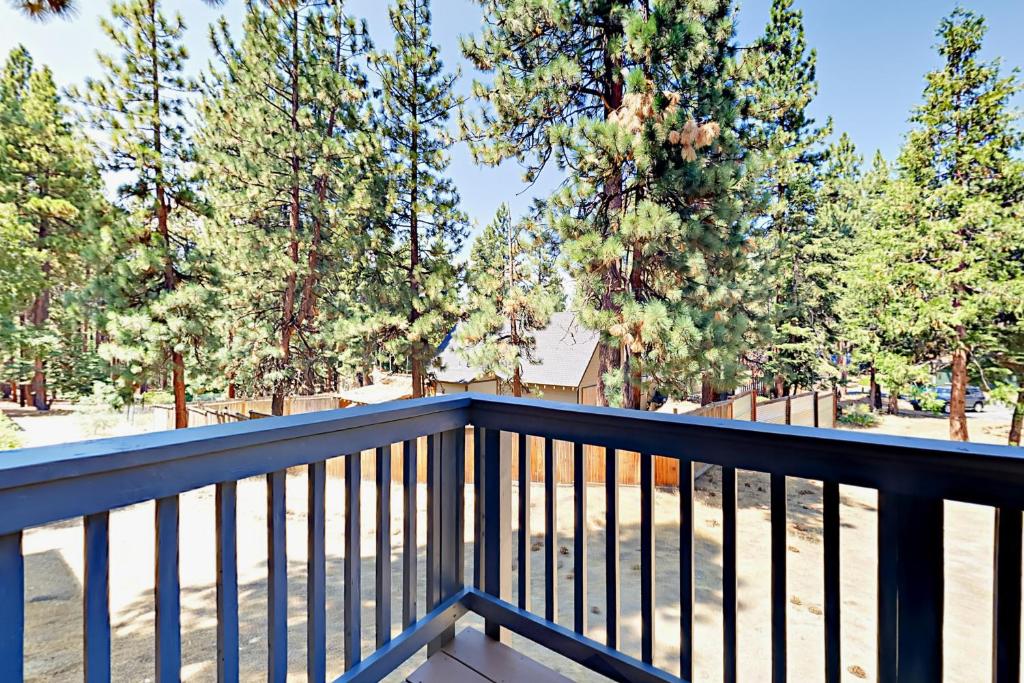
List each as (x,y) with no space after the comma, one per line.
(913,478)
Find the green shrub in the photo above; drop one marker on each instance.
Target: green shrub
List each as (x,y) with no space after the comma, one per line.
(927,399)
(859,416)
(10,433)
(157,397)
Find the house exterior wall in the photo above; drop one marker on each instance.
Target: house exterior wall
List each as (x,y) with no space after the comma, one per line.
(588,387)
(550,393)
(487,386)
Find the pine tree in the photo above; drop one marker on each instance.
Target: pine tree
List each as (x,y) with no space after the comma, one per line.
(643,112)
(426,223)
(154,289)
(875,321)
(839,205)
(554,66)
(38,9)
(512,293)
(287,158)
(960,157)
(799,252)
(50,198)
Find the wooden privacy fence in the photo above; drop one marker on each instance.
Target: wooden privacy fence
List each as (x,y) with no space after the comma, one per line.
(810,409)
(202,413)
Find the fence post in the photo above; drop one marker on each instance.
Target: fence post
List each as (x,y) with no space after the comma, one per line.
(496,491)
(910,588)
(814,397)
(753,405)
(789,409)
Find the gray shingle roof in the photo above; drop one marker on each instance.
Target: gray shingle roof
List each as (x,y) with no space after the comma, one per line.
(563,351)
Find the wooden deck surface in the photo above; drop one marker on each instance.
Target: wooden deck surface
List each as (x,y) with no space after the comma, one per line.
(472,657)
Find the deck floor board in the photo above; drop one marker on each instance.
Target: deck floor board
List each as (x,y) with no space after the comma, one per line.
(475,658)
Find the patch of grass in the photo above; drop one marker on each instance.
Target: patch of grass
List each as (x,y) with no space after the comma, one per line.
(10,433)
(859,416)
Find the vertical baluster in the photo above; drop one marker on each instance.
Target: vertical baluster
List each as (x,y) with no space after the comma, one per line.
(459,474)
(277,579)
(911,598)
(833,670)
(12,608)
(497,520)
(550,533)
(611,489)
(580,540)
(647,557)
(888,564)
(383,560)
(353,631)
(408,533)
(433,522)
(168,595)
(316,574)
(478,509)
(686,569)
(779,549)
(96,610)
(1006,597)
(227,581)
(729,573)
(524,523)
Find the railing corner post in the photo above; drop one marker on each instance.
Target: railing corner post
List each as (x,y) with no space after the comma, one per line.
(450,497)
(497,520)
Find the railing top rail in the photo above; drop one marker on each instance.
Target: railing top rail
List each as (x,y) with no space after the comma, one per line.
(27,466)
(49,483)
(983,473)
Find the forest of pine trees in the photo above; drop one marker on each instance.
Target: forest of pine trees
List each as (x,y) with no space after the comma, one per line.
(285,221)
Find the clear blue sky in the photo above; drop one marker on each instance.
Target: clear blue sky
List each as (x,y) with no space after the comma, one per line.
(872,57)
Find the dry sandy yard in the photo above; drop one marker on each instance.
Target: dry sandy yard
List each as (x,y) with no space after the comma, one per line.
(54,579)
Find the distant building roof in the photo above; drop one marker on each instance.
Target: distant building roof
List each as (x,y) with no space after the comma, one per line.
(562,353)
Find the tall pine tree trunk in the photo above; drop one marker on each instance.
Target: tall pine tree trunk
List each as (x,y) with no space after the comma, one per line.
(1017,421)
(780,386)
(632,371)
(513,330)
(307,307)
(40,314)
(415,359)
(288,303)
(707,390)
(957,394)
(170,280)
(177,359)
(844,370)
(610,354)
(874,392)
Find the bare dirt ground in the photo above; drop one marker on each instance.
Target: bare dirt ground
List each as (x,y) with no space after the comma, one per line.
(54,576)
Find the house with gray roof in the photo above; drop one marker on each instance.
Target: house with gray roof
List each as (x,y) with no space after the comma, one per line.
(565,367)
